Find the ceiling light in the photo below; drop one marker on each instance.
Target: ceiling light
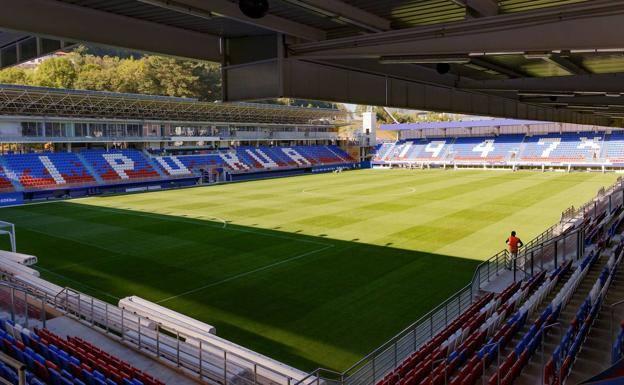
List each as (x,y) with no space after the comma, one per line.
(424,59)
(538,94)
(537,55)
(503,53)
(580,107)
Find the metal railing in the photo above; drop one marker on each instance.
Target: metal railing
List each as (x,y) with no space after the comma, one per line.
(557,244)
(19,367)
(28,306)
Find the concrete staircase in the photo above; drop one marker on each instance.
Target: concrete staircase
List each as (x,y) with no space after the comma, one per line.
(595,354)
(89,168)
(532,372)
(491,370)
(335,153)
(154,164)
(11,176)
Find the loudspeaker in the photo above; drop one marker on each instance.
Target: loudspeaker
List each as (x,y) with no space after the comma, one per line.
(443,68)
(254,8)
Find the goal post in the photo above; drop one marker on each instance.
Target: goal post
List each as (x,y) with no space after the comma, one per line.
(210,173)
(7,228)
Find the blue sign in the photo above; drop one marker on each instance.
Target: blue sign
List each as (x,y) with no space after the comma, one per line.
(10,199)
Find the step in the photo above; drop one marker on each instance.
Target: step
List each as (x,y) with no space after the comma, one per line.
(533,371)
(512,343)
(595,354)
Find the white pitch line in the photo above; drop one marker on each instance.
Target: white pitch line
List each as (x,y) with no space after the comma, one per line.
(237,276)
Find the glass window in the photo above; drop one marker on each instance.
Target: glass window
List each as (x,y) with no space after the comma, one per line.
(97,130)
(134,130)
(31,129)
(54,129)
(81,129)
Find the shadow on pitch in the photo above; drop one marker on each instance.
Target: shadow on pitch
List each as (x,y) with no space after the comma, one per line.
(308,301)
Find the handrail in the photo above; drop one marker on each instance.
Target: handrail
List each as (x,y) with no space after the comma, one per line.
(200,357)
(19,367)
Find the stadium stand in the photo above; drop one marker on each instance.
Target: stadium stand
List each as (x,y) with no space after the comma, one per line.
(73,361)
(582,148)
(486,149)
(617,352)
(381,151)
(118,165)
(491,340)
(559,366)
(615,148)
(36,171)
(5,182)
(478,344)
(193,162)
(415,150)
(585,148)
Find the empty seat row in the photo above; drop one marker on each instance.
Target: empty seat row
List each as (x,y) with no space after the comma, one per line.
(52,360)
(36,171)
(5,182)
(252,159)
(564,355)
(583,147)
(437,361)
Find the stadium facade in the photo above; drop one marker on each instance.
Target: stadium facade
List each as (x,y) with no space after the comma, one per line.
(69,143)
(40,115)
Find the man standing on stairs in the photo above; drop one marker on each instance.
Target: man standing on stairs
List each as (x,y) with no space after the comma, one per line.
(514,244)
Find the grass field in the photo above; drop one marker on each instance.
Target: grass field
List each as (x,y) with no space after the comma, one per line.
(312,270)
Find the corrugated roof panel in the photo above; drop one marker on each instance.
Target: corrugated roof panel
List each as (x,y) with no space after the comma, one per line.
(302,15)
(602,64)
(411,13)
(532,67)
(216,26)
(510,6)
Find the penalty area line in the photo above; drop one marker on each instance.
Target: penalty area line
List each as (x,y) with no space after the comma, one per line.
(244,274)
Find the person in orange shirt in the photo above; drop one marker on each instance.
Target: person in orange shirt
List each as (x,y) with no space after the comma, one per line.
(514,244)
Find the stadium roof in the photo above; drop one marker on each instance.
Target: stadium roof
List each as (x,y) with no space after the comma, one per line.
(555,60)
(460,124)
(42,101)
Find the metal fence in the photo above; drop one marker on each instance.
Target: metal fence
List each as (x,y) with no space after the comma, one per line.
(28,306)
(559,243)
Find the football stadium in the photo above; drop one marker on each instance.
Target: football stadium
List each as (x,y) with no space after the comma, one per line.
(307,192)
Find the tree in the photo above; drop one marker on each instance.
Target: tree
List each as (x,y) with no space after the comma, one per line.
(208,84)
(170,77)
(57,72)
(103,69)
(93,77)
(16,75)
(131,76)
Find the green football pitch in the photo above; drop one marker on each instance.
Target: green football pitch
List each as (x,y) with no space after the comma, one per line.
(313,270)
